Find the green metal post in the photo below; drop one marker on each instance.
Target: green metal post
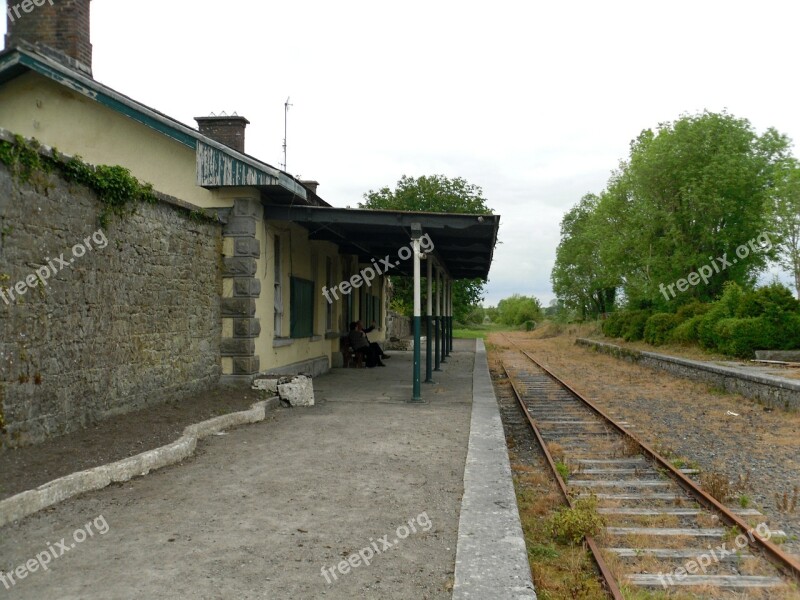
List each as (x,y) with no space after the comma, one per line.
(417,392)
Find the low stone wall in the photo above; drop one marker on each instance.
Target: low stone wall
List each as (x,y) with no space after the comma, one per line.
(397,325)
(132,316)
(769,391)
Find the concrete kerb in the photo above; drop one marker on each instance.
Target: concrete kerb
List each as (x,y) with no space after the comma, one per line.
(491,556)
(29,502)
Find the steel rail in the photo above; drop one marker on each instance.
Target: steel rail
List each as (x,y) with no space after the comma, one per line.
(777,556)
(608,577)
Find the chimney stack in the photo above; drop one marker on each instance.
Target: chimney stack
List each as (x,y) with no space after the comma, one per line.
(310,185)
(225,130)
(59,29)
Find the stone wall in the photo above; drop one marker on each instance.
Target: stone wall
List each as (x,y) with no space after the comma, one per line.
(397,326)
(131,318)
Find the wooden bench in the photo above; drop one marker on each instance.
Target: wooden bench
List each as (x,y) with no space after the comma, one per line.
(350,357)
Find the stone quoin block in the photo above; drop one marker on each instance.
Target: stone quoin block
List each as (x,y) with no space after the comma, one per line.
(246,328)
(246,287)
(246,247)
(238,307)
(246,207)
(240,227)
(246,365)
(237,347)
(238,266)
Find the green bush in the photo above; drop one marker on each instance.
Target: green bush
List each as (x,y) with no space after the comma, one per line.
(686,332)
(772,301)
(693,309)
(659,327)
(627,324)
(612,326)
(635,324)
(726,307)
(742,337)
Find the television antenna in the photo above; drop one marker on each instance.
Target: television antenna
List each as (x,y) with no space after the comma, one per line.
(286,106)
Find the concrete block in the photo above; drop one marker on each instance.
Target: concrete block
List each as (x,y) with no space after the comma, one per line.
(298,392)
(267,384)
(781,355)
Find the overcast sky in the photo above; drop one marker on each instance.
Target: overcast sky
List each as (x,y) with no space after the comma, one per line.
(535,102)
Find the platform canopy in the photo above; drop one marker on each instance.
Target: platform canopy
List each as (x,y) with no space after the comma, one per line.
(463,244)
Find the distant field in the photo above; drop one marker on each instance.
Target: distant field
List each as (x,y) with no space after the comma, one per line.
(480,331)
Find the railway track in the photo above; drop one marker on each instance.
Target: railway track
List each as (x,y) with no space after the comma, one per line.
(662,532)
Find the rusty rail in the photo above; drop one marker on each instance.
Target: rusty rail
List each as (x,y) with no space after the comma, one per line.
(782,560)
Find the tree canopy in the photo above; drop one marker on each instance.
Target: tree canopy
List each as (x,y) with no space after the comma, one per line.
(786,218)
(517,310)
(432,193)
(690,192)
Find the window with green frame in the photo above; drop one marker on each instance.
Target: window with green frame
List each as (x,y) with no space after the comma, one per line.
(301,310)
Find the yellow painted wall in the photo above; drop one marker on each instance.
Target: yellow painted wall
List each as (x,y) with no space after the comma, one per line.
(36,107)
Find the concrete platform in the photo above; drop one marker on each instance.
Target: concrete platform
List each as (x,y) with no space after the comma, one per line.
(752,380)
(356,497)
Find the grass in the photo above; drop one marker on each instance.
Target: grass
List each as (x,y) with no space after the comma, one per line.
(479,331)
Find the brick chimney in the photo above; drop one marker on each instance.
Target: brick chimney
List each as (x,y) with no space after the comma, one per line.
(225,130)
(310,184)
(59,29)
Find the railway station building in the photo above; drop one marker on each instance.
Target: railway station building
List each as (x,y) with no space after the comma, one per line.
(293,270)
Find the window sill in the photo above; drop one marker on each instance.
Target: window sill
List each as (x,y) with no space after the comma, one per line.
(281,342)
(332,335)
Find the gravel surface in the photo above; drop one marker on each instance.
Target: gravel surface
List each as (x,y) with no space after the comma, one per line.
(265,510)
(691,419)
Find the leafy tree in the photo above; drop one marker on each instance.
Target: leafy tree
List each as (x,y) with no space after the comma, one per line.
(579,276)
(518,309)
(691,191)
(432,193)
(697,189)
(786,217)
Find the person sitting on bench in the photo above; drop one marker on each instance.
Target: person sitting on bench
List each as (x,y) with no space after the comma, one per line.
(360,344)
(375,345)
